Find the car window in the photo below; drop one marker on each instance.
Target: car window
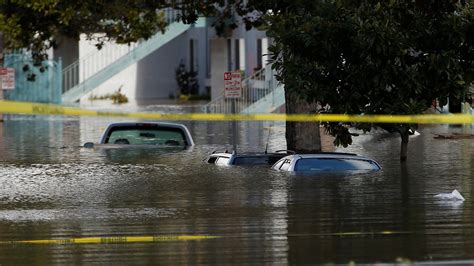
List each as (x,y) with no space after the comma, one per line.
(212,159)
(285,165)
(278,164)
(223,161)
(334,164)
(137,135)
(253,160)
(274,159)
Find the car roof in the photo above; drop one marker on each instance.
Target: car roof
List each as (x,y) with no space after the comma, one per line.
(271,157)
(335,155)
(260,154)
(146,122)
(329,155)
(220,154)
(247,154)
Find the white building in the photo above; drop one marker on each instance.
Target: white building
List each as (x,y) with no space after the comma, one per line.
(153,77)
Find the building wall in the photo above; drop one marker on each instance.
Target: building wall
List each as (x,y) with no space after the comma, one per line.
(251,39)
(202,58)
(125,80)
(67,50)
(154,77)
(223,54)
(157,72)
(219,65)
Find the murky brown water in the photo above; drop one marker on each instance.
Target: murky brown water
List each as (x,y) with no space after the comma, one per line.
(51,188)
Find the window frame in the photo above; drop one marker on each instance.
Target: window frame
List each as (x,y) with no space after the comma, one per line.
(286,162)
(222,160)
(147,127)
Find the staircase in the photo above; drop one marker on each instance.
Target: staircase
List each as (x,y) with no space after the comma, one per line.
(269,103)
(261,93)
(89,72)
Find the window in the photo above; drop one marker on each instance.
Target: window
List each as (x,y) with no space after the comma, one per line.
(241,54)
(265,58)
(273,159)
(285,165)
(334,164)
(146,135)
(211,159)
(208,60)
(193,55)
(259,53)
(278,164)
(229,55)
(237,54)
(253,160)
(223,161)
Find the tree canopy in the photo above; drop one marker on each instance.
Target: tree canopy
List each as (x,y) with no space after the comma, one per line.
(374,57)
(36,24)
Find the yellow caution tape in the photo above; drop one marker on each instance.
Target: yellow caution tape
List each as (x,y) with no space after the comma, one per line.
(167,238)
(111,240)
(49,109)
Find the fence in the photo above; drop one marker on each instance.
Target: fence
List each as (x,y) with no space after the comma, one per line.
(34,83)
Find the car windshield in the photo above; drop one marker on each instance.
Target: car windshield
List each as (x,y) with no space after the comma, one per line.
(138,135)
(334,164)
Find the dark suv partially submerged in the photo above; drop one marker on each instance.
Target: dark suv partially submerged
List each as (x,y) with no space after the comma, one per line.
(227,158)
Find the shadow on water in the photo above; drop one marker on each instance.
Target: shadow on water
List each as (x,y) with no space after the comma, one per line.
(52,188)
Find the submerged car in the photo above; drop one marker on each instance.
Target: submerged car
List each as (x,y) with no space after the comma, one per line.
(326,162)
(264,158)
(146,133)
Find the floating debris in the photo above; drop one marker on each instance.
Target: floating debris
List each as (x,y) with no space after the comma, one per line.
(455,195)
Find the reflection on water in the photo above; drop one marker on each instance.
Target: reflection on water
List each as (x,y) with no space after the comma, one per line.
(52,188)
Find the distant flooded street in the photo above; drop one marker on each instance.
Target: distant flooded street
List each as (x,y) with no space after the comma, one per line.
(52,188)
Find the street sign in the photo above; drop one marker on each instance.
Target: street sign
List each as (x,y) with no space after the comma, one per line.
(7,78)
(233,90)
(232,85)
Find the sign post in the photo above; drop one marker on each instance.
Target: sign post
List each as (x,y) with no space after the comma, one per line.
(7,82)
(7,77)
(233,91)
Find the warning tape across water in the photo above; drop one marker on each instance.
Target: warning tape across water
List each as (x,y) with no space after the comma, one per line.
(170,238)
(111,240)
(181,238)
(49,109)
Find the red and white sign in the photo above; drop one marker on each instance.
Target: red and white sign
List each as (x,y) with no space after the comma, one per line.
(7,78)
(232,85)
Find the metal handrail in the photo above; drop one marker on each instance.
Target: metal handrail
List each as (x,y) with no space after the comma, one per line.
(94,62)
(254,88)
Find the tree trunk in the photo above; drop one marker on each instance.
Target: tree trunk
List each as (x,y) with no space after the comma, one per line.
(301,137)
(404,146)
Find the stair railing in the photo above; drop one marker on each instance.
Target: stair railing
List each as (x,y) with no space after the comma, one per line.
(254,88)
(92,63)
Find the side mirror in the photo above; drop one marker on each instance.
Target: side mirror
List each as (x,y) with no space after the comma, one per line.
(89,145)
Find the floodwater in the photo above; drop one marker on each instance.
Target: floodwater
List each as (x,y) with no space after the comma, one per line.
(51,188)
